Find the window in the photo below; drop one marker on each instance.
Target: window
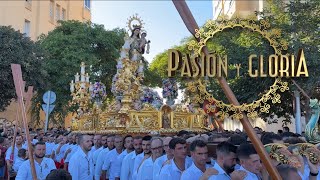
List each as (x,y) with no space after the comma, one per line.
(63,14)
(87,4)
(57,12)
(26,30)
(51,9)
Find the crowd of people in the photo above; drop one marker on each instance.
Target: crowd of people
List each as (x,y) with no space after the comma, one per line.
(63,155)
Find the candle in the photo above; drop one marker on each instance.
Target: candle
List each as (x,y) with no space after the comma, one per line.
(83,78)
(72,86)
(77,77)
(87,77)
(91,87)
(82,68)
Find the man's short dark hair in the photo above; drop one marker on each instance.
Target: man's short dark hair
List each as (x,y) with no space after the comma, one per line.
(22,153)
(269,137)
(237,139)
(81,136)
(287,135)
(39,143)
(294,140)
(284,170)
(182,132)
(197,143)
(59,174)
(137,137)
(226,148)
(127,136)
(175,141)
(146,138)
(286,128)
(245,150)
(19,135)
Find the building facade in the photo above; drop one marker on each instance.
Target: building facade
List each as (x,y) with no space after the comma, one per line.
(36,17)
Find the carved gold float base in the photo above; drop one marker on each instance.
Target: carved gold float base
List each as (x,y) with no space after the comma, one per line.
(147,121)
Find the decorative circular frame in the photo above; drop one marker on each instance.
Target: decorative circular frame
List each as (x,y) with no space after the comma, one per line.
(263,28)
(131,19)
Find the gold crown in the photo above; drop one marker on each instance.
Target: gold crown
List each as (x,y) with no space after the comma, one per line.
(135,26)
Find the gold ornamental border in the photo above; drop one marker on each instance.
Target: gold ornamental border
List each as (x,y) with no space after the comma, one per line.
(263,28)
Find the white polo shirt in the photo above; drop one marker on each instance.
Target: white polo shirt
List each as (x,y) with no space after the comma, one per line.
(127,166)
(192,173)
(101,157)
(137,162)
(81,165)
(170,171)
(119,162)
(15,153)
(42,170)
(96,154)
(250,175)
(109,163)
(145,171)
(222,175)
(158,164)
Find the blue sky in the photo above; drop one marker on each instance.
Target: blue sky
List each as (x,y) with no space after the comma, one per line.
(164,26)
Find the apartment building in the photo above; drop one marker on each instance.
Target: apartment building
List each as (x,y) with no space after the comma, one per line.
(34,17)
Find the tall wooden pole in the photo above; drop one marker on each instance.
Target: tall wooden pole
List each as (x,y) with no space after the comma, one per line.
(191,24)
(17,78)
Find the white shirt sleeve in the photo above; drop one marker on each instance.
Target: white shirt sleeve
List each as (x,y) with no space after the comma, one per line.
(8,153)
(164,173)
(99,163)
(107,162)
(156,169)
(23,172)
(186,176)
(125,168)
(117,166)
(74,168)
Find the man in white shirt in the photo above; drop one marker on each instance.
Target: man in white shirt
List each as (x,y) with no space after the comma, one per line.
(128,161)
(42,164)
(96,142)
(145,171)
(97,152)
(60,151)
(128,144)
(159,163)
(22,156)
(250,162)
(73,148)
(109,163)
(81,163)
(226,161)
(102,156)
(11,157)
(199,154)
(173,169)
(146,143)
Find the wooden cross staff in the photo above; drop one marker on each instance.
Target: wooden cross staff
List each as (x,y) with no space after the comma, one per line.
(191,24)
(19,86)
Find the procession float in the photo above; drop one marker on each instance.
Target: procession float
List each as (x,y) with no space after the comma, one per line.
(135,108)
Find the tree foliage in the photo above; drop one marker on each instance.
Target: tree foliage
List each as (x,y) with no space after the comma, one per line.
(18,49)
(68,45)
